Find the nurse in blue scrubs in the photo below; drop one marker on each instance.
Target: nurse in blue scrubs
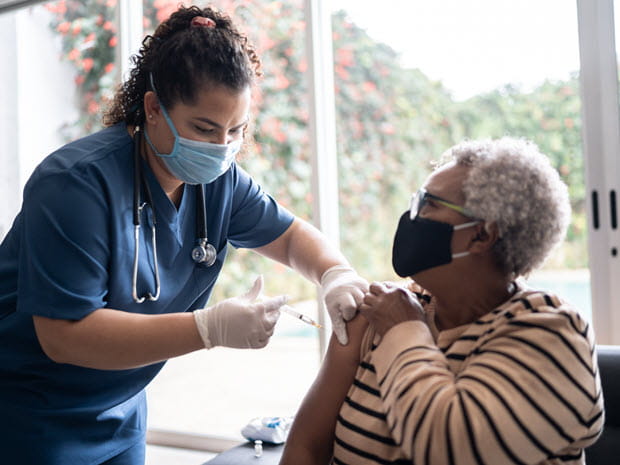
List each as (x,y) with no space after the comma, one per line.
(80,338)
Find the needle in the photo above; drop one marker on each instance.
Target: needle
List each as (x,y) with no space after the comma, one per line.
(306,319)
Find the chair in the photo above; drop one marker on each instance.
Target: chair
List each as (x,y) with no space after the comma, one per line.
(606,451)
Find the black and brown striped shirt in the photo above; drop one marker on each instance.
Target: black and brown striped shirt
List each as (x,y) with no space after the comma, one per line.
(518,386)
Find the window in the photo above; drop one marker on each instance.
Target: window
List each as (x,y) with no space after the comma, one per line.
(418,77)
(599,84)
(410,81)
(217,392)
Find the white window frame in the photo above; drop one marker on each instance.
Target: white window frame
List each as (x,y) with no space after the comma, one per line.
(601,148)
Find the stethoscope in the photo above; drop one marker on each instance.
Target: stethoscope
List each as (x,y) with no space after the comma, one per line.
(203,252)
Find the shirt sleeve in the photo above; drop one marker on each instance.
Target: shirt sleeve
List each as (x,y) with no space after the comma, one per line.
(256,218)
(64,253)
(530,392)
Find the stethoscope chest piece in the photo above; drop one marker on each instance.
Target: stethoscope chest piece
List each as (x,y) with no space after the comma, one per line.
(204,252)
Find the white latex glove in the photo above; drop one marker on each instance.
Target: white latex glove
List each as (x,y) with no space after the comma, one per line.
(240,322)
(343,291)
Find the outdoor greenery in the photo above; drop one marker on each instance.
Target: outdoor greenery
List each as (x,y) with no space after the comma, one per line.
(391,124)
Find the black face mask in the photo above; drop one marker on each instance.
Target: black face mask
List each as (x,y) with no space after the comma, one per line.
(421,244)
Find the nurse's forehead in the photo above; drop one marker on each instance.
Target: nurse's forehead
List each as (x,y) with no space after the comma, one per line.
(447,182)
(219,105)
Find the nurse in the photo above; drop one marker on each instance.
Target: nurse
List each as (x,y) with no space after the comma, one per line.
(82,332)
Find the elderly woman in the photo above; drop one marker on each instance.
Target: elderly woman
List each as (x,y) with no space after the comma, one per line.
(466,365)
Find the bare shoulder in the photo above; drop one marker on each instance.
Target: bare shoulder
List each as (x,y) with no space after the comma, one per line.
(349,354)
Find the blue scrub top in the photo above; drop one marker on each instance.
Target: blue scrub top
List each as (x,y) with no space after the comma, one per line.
(69,252)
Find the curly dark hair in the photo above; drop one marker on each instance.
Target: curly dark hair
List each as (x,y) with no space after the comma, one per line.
(182,58)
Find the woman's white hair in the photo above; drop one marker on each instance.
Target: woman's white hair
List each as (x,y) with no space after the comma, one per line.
(510,183)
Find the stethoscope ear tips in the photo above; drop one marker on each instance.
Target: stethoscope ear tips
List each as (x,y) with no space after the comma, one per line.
(204,253)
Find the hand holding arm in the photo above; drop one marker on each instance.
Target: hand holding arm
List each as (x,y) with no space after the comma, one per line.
(387,305)
(343,291)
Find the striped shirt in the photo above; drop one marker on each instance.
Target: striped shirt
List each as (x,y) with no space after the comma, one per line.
(518,386)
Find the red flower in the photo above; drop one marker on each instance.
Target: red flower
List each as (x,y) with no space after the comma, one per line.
(64,27)
(369,86)
(165,8)
(74,54)
(109,67)
(79,80)
(77,29)
(113,41)
(344,56)
(93,107)
(87,64)
(59,8)
(282,82)
(108,26)
(266,43)
(341,72)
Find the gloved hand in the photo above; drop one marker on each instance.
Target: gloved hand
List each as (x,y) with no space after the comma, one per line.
(343,291)
(240,322)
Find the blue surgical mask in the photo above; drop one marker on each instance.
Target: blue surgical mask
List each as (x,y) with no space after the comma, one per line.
(193,161)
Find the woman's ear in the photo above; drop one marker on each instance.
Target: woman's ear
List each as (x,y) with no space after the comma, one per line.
(152,110)
(487,235)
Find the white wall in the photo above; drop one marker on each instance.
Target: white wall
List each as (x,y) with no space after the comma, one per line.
(37,96)
(9,162)
(46,90)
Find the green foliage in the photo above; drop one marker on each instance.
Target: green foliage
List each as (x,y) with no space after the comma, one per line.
(391,124)
(89,41)
(550,116)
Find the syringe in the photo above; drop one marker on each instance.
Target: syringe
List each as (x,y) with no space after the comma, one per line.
(305,318)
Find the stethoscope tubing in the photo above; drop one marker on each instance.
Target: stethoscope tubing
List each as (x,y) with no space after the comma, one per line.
(139,181)
(203,252)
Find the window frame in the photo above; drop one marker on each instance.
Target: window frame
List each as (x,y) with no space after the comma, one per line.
(601,146)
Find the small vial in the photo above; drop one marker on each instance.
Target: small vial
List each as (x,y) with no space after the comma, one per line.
(258,448)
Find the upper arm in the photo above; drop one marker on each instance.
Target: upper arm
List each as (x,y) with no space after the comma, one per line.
(305,249)
(63,263)
(279,248)
(312,434)
(51,333)
(256,218)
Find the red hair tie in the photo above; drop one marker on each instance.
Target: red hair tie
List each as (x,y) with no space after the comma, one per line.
(202,21)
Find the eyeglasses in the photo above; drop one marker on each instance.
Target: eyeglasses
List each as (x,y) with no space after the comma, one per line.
(419,199)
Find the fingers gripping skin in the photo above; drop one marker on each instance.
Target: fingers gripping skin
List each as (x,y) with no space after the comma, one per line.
(387,305)
(240,322)
(343,291)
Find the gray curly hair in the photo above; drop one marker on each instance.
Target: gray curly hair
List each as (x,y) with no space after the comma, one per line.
(512,184)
